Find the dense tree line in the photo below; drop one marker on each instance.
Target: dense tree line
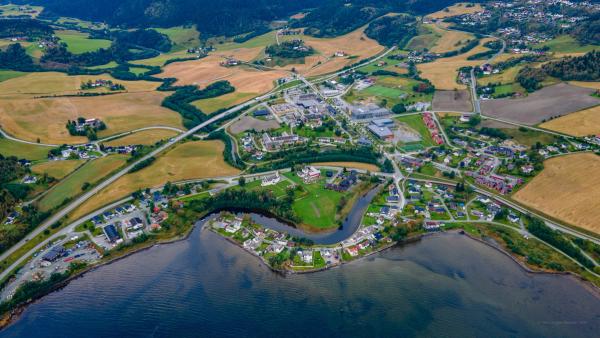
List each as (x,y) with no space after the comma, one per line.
(589,31)
(143,164)
(393,30)
(11,28)
(538,228)
(180,100)
(290,50)
(229,155)
(14,57)
(147,38)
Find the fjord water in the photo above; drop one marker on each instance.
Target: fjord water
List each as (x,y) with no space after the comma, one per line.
(444,285)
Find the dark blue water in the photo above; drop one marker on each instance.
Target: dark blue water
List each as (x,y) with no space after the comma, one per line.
(445,285)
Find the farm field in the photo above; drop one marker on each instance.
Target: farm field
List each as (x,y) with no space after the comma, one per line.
(556,100)
(449,40)
(567,44)
(13,10)
(507,76)
(456,9)
(111,64)
(160,60)
(30,119)
(23,150)
(181,37)
(357,165)
(582,123)
(197,159)
(144,137)
(574,199)
(211,105)
(78,42)
(459,100)
(443,72)
(585,84)
(92,172)
(10,74)
(56,169)
(205,71)
(54,83)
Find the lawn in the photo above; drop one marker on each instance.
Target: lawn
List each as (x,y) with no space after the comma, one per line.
(92,172)
(377,90)
(279,189)
(10,74)
(567,44)
(23,150)
(416,123)
(317,208)
(190,160)
(56,169)
(529,137)
(78,42)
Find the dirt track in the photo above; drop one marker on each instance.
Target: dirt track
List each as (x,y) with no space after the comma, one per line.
(553,101)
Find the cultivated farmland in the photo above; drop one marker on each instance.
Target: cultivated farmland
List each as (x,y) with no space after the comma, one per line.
(457,9)
(452,100)
(23,150)
(56,169)
(198,159)
(144,137)
(78,42)
(582,123)
(553,101)
(567,189)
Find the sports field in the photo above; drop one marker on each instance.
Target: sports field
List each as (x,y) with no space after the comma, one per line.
(78,42)
(144,137)
(377,90)
(567,189)
(23,150)
(456,9)
(197,159)
(92,172)
(582,123)
(56,169)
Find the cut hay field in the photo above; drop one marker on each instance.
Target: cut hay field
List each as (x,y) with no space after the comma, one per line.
(582,123)
(443,72)
(211,105)
(198,159)
(567,44)
(56,169)
(45,119)
(78,42)
(355,165)
(567,189)
(456,9)
(181,37)
(144,137)
(585,84)
(553,101)
(449,40)
(205,71)
(92,172)
(23,150)
(54,83)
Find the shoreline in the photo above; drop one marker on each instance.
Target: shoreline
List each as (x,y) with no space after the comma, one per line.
(14,314)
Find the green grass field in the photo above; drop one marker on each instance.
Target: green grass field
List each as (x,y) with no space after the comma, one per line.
(377,90)
(181,37)
(259,41)
(318,207)
(224,101)
(92,172)
(416,122)
(567,44)
(23,150)
(138,70)
(109,65)
(529,137)
(78,42)
(279,189)
(10,74)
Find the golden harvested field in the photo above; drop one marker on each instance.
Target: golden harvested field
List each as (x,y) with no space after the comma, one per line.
(198,159)
(507,76)
(56,169)
(582,123)
(207,70)
(443,72)
(593,85)
(454,10)
(356,165)
(449,40)
(144,137)
(29,119)
(567,189)
(54,83)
